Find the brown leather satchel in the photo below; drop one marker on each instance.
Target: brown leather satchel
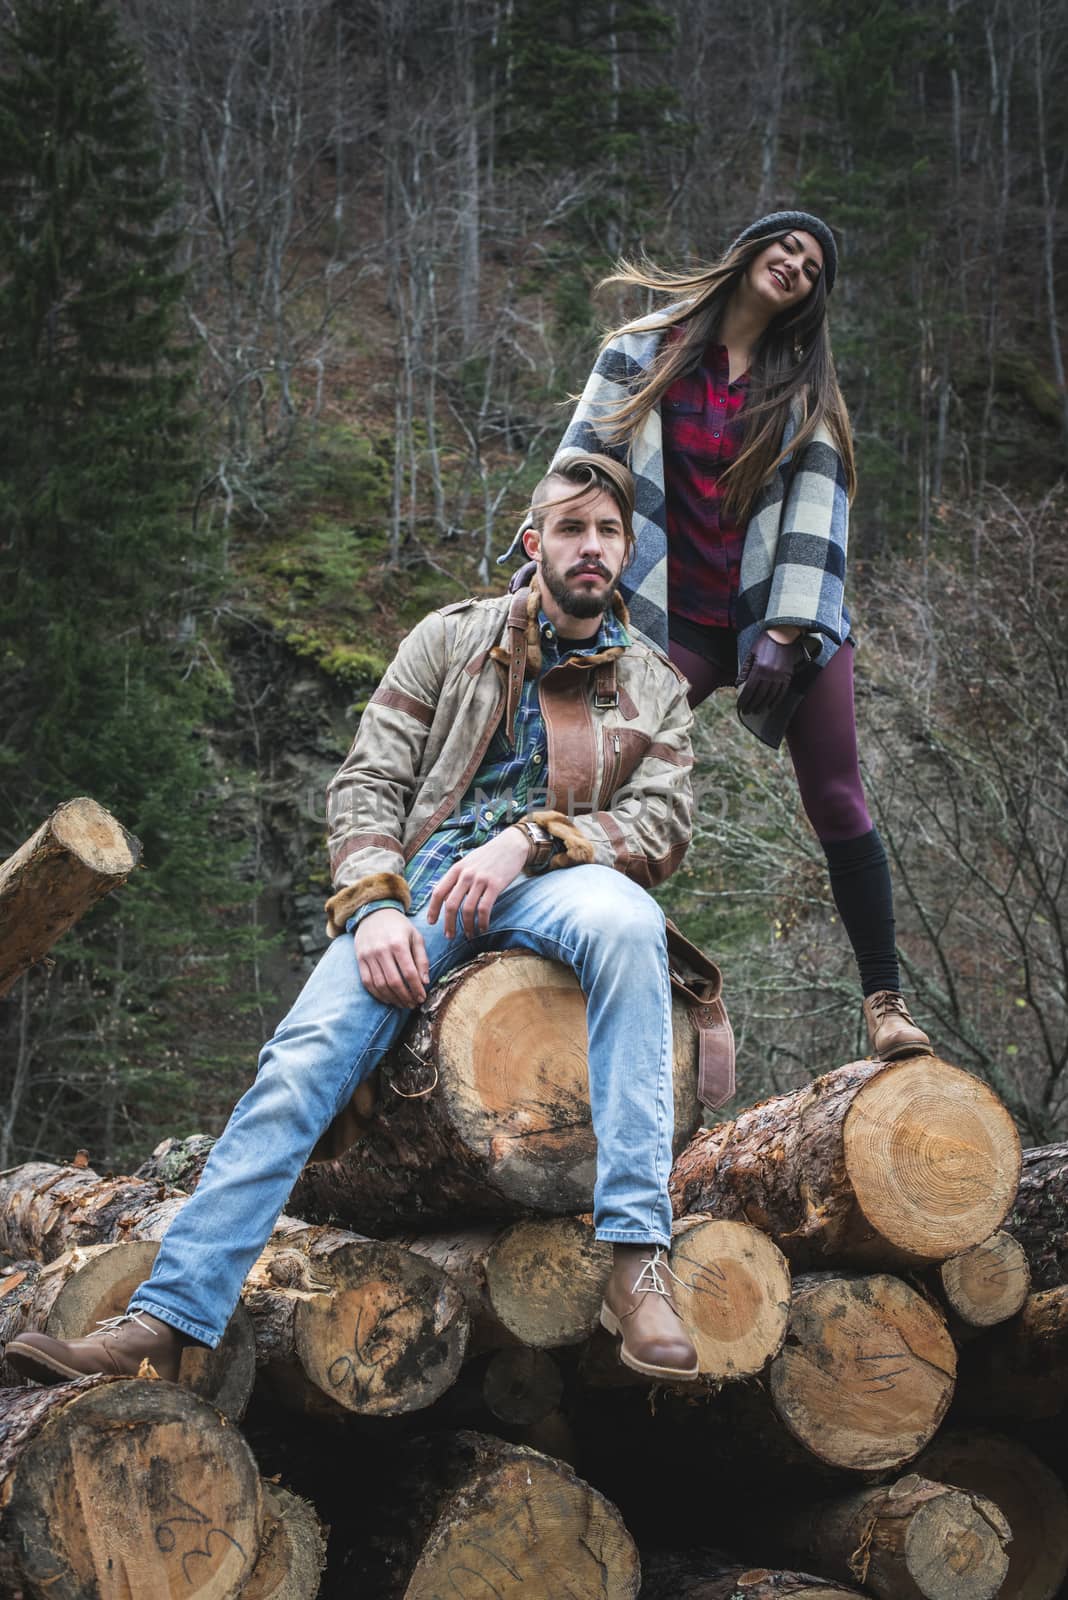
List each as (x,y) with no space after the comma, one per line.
(697,979)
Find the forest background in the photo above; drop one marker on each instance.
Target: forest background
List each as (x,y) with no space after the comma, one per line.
(292,294)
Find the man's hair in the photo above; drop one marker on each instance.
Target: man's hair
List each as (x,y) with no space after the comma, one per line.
(585,474)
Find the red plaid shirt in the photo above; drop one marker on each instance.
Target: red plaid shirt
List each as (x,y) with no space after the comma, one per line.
(702,423)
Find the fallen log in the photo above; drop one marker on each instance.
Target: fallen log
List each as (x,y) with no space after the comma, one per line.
(482,1517)
(553,1435)
(866,1373)
(483,1110)
(75,858)
(339,1321)
(987,1284)
(1020,1369)
(292,1554)
(909,1540)
(537,1283)
(1030,1497)
(690,1575)
(862,1382)
(732,1289)
(71,1295)
(46,1209)
(522,1386)
(1039,1215)
(353,1325)
(123,1486)
(896,1164)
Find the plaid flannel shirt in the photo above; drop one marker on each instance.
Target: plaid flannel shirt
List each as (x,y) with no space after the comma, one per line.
(701,414)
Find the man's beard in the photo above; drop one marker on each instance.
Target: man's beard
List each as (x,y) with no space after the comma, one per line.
(576,602)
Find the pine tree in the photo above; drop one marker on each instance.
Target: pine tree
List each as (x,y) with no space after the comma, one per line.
(100,571)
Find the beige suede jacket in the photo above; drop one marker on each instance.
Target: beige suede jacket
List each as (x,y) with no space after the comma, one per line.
(618,730)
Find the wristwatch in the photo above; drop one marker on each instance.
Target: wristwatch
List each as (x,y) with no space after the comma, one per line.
(541,846)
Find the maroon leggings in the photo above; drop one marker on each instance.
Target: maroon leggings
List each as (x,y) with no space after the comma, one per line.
(822,736)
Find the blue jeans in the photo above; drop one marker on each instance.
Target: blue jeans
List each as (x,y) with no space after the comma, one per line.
(606,928)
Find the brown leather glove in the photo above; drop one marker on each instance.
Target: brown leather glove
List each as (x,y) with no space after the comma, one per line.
(767,673)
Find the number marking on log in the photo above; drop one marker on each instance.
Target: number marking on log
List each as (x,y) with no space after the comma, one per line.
(167,1539)
(880,1382)
(706,1278)
(371,1346)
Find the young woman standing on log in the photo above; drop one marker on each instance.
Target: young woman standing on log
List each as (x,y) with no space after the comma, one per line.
(726,406)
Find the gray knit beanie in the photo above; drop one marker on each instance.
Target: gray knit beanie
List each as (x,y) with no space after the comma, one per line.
(780,222)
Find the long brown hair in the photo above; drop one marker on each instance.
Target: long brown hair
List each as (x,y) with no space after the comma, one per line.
(792,366)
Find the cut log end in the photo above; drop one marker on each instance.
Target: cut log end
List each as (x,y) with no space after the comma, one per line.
(522,1386)
(532,1530)
(732,1290)
(956,1548)
(866,1373)
(94,838)
(133,1487)
(988,1283)
(292,1552)
(389,1338)
(1030,1496)
(933,1158)
(545,1280)
(79,854)
(699,1575)
(513,1036)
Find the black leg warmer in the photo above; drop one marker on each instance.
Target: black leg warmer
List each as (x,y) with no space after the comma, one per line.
(860,884)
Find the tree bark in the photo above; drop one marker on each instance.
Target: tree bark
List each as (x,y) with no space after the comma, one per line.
(87,1285)
(178,1163)
(484,1107)
(876,1164)
(987,1284)
(1030,1497)
(292,1553)
(866,1373)
(46,1209)
(732,1290)
(483,1517)
(1020,1370)
(909,1540)
(694,1575)
(75,858)
(123,1486)
(1039,1215)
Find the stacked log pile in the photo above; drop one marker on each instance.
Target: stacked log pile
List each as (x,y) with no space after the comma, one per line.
(417,1352)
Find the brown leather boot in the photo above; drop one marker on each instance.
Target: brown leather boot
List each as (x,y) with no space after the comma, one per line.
(638,1305)
(891,1031)
(119,1346)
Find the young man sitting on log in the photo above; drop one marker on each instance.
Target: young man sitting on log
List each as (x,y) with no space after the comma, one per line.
(519,779)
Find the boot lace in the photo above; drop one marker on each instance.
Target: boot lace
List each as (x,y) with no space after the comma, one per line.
(649,1280)
(113,1324)
(889,1000)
